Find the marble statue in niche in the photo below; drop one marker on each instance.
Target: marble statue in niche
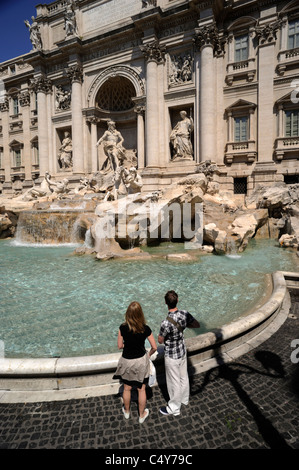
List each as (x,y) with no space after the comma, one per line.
(66,152)
(180,138)
(112,141)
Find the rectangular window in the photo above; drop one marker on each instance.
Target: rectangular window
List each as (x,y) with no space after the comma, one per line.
(240,185)
(241,129)
(17,155)
(241,48)
(1,156)
(293,40)
(292,123)
(15,106)
(35,154)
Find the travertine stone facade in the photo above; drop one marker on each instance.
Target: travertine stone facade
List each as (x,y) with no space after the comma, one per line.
(232,66)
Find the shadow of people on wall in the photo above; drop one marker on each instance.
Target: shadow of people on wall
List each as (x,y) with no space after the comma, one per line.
(232,372)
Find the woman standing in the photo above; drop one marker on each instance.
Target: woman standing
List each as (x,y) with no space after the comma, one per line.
(134,365)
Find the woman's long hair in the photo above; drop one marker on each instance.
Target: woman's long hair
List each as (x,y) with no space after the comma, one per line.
(135,318)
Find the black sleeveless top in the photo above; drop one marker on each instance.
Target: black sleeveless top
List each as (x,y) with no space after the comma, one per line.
(134,342)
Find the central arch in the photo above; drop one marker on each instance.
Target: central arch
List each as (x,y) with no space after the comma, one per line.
(110,73)
(116,94)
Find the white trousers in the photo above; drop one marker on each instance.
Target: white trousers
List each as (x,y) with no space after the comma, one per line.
(177,383)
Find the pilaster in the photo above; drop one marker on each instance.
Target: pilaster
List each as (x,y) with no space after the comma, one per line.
(42,87)
(266,35)
(24,101)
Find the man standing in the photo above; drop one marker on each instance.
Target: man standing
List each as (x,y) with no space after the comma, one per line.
(171,334)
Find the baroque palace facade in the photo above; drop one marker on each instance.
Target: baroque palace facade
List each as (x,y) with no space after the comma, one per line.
(232,66)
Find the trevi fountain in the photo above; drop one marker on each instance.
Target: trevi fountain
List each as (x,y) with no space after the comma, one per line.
(74,256)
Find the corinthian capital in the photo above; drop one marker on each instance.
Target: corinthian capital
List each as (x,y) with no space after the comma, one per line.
(267,33)
(153,52)
(24,98)
(41,84)
(75,73)
(209,36)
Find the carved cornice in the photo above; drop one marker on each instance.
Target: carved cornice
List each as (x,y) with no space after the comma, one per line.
(41,84)
(75,73)
(267,33)
(147,3)
(154,52)
(24,98)
(209,36)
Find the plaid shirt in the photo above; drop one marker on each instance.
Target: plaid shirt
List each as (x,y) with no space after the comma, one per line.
(173,338)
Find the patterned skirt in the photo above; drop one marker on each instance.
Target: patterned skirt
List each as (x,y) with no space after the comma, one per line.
(134,372)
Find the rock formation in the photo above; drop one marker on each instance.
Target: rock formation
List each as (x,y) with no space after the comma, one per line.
(121,226)
(8,223)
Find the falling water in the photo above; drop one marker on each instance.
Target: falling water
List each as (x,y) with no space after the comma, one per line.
(47,228)
(232,251)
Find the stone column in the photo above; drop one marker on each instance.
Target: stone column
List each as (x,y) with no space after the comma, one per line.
(139,110)
(93,121)
(266,50)
(75,73)
(4,108)
(42,86)
(154,54)
(207,43)
(24,101)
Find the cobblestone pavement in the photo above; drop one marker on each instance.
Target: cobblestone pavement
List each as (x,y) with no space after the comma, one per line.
(252,403)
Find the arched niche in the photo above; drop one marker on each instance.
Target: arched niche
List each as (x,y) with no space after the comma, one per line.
(125,72)
(114,95)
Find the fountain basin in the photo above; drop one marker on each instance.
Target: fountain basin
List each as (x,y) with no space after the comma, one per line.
(76,377)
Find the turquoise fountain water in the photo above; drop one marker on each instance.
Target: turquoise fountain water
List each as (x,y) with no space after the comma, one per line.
(54,303)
